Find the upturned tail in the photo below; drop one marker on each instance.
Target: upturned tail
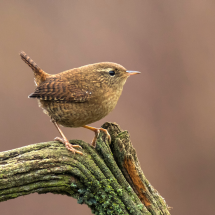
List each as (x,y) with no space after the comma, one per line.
(39,74)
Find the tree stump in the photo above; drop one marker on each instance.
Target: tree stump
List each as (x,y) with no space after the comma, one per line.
(107,178)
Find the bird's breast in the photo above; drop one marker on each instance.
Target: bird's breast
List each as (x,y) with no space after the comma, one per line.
(77,114)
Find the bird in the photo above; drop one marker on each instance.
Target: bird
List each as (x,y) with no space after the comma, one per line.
(79,96)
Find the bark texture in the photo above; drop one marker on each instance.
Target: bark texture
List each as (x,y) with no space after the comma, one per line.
(107,178)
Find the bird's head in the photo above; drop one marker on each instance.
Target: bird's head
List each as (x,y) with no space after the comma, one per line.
(111,74)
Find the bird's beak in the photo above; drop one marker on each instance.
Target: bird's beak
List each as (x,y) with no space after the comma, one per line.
(132,73)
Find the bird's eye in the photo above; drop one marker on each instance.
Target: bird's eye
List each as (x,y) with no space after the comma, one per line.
(112,73)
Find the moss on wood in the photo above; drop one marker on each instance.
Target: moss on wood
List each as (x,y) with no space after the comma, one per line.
(107,178)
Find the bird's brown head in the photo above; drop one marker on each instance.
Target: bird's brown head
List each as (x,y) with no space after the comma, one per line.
(108,74)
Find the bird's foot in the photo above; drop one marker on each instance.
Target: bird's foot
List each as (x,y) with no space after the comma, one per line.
(68,145)
(97,132)
(93,143)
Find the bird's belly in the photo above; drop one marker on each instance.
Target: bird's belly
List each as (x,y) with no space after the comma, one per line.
(77,114)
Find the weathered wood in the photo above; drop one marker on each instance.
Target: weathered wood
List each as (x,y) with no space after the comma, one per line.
(107,178)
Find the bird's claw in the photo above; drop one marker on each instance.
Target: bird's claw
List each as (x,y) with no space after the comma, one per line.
(69,146)
(107,133)
(97,132)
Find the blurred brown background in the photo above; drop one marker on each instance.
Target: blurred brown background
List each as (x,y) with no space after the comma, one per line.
(169,109)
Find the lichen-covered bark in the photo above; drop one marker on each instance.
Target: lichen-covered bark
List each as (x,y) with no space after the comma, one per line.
(126,158)
(108,179)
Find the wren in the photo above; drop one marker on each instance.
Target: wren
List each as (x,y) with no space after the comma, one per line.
(79,96)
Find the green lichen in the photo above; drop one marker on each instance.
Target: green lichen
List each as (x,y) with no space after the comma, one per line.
(94,179)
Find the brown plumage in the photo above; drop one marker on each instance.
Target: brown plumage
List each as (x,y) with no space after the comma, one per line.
(80,96)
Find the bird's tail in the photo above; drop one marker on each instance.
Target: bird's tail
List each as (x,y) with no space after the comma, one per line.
(39,74)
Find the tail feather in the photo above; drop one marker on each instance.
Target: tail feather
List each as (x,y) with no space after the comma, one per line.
(39,74)
(30,62)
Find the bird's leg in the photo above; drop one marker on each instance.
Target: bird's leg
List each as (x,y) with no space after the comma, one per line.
(64,140)
(97,131)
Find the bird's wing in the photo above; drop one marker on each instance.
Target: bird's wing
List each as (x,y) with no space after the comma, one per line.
(60,91)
